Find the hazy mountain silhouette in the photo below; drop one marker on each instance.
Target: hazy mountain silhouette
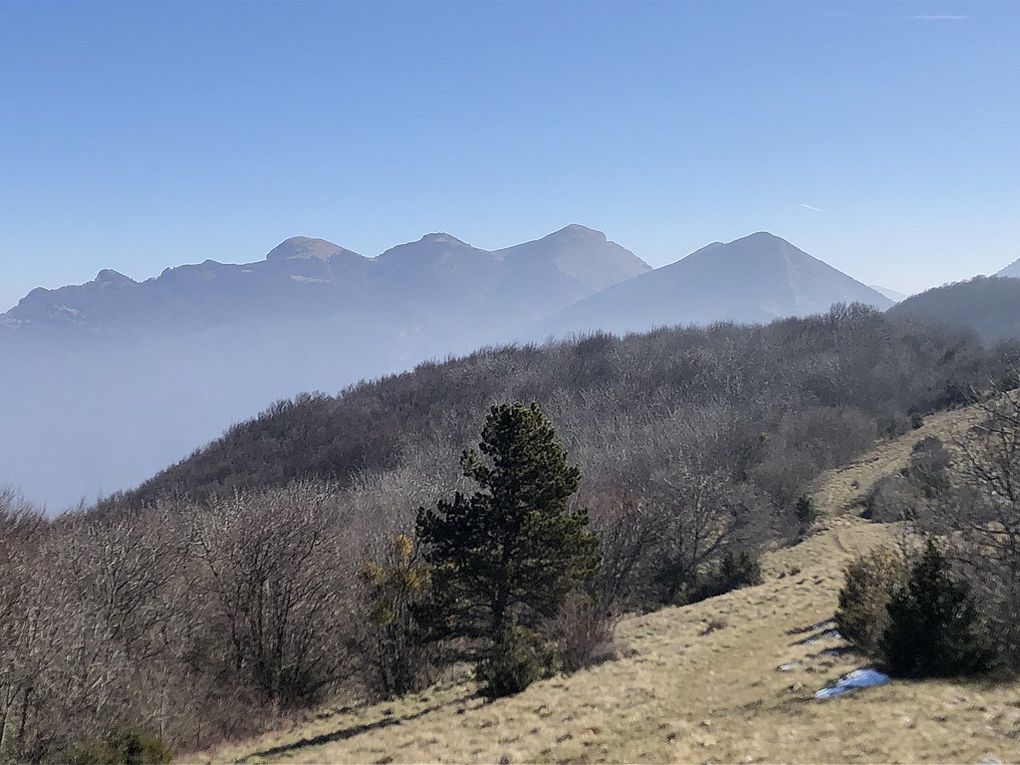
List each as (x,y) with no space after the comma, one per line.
(894,295)
(988,305)
(754,279)
(1012,270)
(438,279)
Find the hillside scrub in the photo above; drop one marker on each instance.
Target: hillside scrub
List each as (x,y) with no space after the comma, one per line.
(870,582)
(913,614)
(978,508)
(934,629)
(770,405)
(232,588)
(953,609)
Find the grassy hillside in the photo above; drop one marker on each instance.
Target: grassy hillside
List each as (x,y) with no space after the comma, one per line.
(699,683)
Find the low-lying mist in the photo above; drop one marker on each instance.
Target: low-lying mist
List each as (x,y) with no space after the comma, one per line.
(90,416)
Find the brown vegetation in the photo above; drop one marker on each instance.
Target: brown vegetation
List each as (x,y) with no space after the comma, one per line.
(232,589)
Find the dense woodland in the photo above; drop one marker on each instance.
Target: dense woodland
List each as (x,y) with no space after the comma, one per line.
(280,566)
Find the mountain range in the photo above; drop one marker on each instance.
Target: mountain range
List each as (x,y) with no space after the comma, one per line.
(437,278)
(574,280)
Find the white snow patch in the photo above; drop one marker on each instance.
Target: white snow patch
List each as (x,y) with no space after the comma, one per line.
(859,678)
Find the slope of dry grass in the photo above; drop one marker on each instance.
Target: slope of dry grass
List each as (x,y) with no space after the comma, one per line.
(697,684)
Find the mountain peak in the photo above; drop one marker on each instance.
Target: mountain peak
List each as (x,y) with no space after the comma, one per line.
(757,278)
(577,231)
(304,247)
(443,238)
(761,237)
(109,276)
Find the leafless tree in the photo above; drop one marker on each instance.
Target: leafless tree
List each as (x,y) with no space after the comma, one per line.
(984,510)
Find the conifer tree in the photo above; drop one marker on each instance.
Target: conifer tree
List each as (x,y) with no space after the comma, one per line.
(934,629)
(508,555)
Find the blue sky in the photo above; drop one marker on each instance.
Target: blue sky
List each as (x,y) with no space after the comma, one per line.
(881,137)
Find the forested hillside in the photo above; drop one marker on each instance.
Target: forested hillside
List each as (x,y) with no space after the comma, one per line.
(769,405)
(989,305)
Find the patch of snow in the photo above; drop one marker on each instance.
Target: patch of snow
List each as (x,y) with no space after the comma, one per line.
(308,279)
(68,310)
(789,667)
(856,680)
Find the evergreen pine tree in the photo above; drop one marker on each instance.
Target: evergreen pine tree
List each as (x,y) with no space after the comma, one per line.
(508,555)
(934,628)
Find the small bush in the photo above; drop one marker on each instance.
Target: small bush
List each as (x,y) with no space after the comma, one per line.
(734,571)
(891,499)
(393,646)
(805,513)
(122,747)
(515,661)
(870,581)
(582,634)
(934,629)
(929,467)
(714,626)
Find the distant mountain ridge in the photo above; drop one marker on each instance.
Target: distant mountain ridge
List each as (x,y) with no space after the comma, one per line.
(303,275)
(989,305)
(894,295)
(1012,270)
(757,278)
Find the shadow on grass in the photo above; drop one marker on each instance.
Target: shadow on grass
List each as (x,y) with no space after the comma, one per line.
(823,625)
(344,734)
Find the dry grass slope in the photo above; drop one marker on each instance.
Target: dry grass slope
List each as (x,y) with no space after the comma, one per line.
(698,684)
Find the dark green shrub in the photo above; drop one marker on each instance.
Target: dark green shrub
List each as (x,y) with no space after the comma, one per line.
(869,584)
(515,661)
(934,629)
(739,570)
(124,746)
(734,571)
(805,512)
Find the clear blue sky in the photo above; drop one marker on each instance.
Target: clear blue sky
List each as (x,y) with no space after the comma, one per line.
(141,135)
